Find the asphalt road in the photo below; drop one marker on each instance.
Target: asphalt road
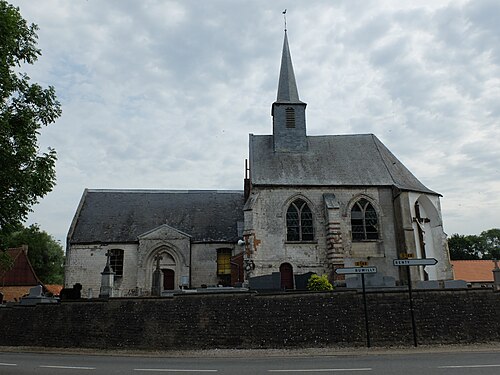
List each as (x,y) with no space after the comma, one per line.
(408,363)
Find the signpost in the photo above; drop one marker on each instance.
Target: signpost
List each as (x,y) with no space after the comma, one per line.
(355,270)
(362,271)
(415,262)
(409,263)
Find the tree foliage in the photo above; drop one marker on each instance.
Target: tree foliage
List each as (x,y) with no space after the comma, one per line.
(44,252)
(6,261)
(319,283)
(483,246)
(25,174)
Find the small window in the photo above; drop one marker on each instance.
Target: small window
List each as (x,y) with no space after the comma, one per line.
(223,262)
(116,262)
(364,222)
(290,117)
(299,222)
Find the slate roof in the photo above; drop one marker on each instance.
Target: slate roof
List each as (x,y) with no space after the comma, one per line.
(331,160)
(111,216)
(287,86)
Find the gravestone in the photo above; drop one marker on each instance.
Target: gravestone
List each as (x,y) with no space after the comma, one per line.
(71,293)
(372,280)
(36,296)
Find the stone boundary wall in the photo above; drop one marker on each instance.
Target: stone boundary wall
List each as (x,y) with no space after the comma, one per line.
(248,320)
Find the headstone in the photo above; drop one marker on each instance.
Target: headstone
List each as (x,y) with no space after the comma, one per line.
(156,288)
(372,280)
(107,279)
(36,296)
(428,284)
(265,282)
(107,283)
(71,293)
(455,284)
(302,280)
(36,292)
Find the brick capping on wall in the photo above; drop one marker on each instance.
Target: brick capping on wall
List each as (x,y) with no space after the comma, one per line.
(250,320)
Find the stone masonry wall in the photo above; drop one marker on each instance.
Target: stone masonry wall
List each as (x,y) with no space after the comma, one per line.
(249,320)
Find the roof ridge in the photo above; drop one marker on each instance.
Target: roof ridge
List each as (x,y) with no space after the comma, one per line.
(382,158)
(186,191)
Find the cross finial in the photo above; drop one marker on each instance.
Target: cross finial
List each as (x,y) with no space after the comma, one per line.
(284,18)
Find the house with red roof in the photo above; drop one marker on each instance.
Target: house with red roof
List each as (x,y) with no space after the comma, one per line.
(479,273)
(16,281)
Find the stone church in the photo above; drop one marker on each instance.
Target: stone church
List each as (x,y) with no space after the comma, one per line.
(309,204)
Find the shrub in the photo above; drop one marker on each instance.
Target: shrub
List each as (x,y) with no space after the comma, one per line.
(319,283)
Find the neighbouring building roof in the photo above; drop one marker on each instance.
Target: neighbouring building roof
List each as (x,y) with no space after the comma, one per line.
(331,160)
(22,272)
(17,281)
(473,270)
(55,289)
(113,216)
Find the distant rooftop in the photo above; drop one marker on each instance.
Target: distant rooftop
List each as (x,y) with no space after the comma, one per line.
(473,270)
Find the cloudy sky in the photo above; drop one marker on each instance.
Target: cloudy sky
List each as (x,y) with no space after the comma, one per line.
(163,94)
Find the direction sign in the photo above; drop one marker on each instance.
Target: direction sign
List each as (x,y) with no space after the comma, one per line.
(415,262)
(353,270)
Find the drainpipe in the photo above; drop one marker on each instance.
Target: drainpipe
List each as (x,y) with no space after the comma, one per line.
(190,262)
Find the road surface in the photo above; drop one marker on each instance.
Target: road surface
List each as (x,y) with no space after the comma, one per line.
(380,363)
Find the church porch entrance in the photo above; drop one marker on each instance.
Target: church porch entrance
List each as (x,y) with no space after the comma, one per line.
(168,279)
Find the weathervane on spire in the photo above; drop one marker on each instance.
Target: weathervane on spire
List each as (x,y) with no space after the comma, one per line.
(284,17)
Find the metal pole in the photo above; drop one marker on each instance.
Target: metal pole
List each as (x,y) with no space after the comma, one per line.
(366,311)
(413,325)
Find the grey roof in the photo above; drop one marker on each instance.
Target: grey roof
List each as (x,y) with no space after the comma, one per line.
(332,160)
(122,215)
(287,86)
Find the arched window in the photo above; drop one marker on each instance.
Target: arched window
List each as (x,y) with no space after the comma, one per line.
(299,222)
(364,221)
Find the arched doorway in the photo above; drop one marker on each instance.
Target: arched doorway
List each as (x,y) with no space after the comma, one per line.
(286,271)
(168,279)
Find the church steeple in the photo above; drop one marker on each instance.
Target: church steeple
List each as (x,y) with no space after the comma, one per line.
(289,113)
(287,86)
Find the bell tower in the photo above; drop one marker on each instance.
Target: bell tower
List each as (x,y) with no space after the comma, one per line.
(289,113)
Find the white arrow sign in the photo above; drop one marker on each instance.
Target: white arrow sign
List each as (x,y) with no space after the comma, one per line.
(352,270)
(415,262)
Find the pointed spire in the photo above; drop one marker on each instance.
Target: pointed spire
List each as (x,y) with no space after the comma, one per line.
(289,113)
(287,87)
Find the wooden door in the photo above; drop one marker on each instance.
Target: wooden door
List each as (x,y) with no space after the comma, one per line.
(168,279)
(286,271)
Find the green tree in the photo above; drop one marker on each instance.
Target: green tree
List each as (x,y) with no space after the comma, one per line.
(491,238)
(44,252)
(483,246)
(26,175)
(319,283)
(465,247)
(6,261)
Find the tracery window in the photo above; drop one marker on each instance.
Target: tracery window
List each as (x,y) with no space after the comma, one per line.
(364,222)
(299,222)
